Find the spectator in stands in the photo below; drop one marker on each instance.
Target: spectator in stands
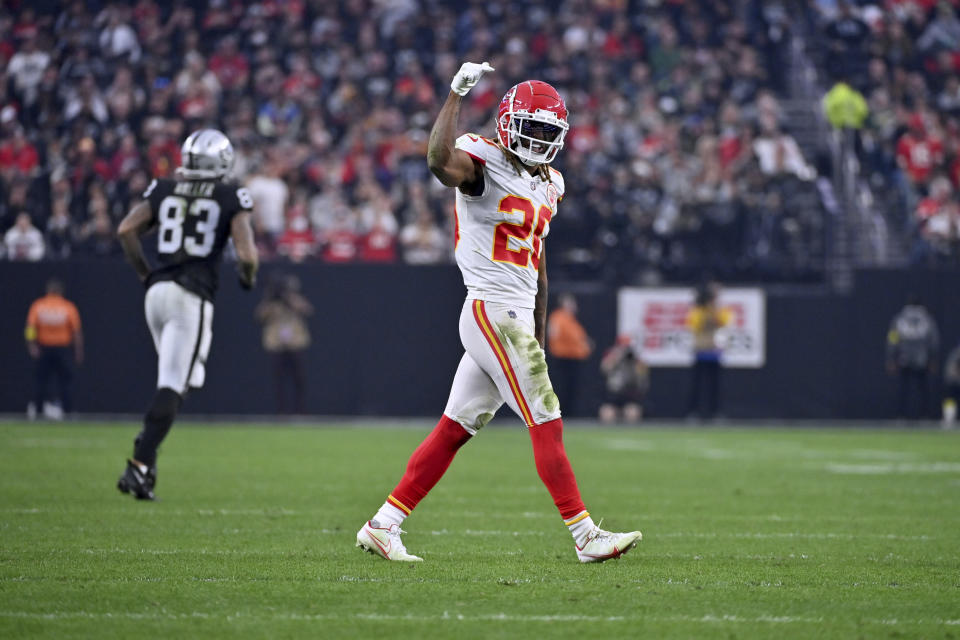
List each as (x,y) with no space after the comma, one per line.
(270,194)
(627,379)
(26,67)
(778,153)
(55,340)
(230,65)
(124,97)
(848,36)
(283,312)
(943,32)
(196,76)
(569,346)
(18,156)
(298,241)
(118,40)
(845,107)
(86,102)
(705,320)
(913,347)
(60,232)
(948,100)
(163,150)
(918,154)
(422,240)
(126,159)
(24,242)
(327,97)
(934,223)
(377,226)
(96,237)
(341,237)
(942,234)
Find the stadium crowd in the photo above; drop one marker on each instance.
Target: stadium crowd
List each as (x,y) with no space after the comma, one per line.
(903,57)
(677,161)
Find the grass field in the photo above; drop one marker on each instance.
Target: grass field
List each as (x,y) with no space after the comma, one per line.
(783,533)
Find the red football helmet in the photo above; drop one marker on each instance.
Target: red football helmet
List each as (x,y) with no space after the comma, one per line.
(532,122)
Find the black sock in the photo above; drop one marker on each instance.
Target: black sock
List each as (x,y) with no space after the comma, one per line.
(156,424)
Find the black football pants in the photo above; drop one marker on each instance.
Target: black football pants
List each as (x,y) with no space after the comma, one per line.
(56,362)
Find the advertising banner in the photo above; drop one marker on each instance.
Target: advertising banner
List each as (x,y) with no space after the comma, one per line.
(656,321)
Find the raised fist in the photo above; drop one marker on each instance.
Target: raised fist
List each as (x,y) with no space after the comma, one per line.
(469,75)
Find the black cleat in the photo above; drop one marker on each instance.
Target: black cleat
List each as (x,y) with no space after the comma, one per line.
(138,481)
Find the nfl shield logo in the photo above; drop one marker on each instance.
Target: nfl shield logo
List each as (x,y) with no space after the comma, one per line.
(533,185)
(512,314)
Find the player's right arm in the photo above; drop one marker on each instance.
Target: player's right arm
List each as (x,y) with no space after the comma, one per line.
(241,231)
(454,167)
(137,222)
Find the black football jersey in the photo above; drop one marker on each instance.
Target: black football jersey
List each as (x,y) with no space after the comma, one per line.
(193,219)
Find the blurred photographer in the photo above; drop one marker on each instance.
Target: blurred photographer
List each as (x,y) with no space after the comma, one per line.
(283,313)
(627,382)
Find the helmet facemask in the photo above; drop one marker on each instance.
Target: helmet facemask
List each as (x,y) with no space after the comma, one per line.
(536,137)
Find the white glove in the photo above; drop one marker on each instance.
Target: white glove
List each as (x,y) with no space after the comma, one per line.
(469,75)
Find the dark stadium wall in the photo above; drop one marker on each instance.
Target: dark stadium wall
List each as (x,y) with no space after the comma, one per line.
(385,342)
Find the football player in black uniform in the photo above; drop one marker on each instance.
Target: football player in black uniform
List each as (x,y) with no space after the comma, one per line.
(194,216)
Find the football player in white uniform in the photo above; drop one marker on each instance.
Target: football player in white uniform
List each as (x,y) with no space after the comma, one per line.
(506,196)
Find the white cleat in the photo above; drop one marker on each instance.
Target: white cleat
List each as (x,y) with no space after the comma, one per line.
(602,545)
(384,542)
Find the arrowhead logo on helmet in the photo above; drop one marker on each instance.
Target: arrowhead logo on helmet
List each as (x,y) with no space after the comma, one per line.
(532,122)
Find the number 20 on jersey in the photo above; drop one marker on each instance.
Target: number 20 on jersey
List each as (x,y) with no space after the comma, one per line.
(533,223)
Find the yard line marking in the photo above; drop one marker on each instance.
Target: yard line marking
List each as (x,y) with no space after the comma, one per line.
(882,454)
(627,445)
(247,512)
(708,535)
(792,534)
(712,619)
(61,443)
(202,552)
(266,511)
(890,469)
(484,515)
(481,532)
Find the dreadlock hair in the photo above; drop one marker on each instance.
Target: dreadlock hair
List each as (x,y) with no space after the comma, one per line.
(543,170)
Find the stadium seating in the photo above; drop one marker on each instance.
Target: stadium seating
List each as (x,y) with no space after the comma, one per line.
(674,163)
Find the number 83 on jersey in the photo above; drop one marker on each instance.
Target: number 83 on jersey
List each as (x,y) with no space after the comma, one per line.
(191,224)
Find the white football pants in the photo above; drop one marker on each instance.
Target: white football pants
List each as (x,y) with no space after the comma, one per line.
(503,363)
(181,324)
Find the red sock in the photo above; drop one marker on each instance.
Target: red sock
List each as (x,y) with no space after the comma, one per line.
(428,463)
(554,467)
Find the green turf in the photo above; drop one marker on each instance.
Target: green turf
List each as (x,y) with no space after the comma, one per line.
(747,533)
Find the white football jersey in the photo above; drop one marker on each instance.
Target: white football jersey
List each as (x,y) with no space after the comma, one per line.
(499,234)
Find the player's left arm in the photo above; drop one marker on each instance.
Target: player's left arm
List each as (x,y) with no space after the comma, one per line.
(241,231)
(137,222)
(540,305)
